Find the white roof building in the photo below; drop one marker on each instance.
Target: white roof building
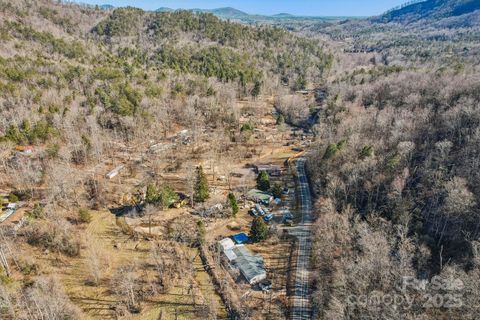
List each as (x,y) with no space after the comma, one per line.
(227,246)
(12,206)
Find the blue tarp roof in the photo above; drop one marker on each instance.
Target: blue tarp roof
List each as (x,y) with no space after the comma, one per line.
(240,238)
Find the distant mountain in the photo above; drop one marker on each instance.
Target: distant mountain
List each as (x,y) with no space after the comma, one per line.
(225,13)
(283,15)
(164,9)
(235,14)
(228,13)
(107,7)
(433,11)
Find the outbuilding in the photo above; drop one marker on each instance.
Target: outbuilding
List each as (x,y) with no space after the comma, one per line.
(240,238)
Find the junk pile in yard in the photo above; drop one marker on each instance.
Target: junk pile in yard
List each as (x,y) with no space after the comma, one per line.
(217,210)
(24,150)
(112,174)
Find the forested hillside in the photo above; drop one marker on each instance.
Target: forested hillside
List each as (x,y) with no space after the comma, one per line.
(203,44)
(432,11)
(120,64)
(396,172)
(399,161)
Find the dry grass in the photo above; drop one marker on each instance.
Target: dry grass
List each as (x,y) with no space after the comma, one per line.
(98,302)
(102,232)
(177,304)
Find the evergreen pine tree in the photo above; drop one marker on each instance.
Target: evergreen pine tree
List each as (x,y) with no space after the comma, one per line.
(259,230)
(233,203)
(256,89)
(277,190)
(201,186)
(263,181)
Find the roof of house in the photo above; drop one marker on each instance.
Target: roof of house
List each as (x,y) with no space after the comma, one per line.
(227,244)
(230,254)
(6,214)
(259,195)
(268,167)
(240,238)
(251,266)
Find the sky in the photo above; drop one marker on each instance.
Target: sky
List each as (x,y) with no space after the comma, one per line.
(268,7)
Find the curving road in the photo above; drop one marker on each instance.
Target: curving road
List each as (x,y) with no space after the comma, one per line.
(301,300)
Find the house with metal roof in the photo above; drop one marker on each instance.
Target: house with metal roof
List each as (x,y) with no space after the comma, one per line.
(250,266)
(10,209)
(260,196)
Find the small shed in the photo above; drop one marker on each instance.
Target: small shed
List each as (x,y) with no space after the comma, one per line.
(240,238)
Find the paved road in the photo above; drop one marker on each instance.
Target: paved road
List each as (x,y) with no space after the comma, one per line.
(301,300)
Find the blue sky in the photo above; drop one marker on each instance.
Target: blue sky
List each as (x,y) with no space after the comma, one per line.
(297,7)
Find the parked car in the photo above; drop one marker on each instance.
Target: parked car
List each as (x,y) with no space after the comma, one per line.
(260,210)
(268,217)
